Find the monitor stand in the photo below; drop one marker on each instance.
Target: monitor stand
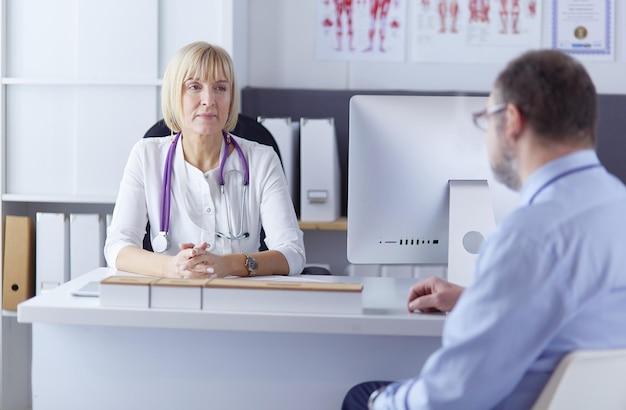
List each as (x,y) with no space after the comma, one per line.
(471,220)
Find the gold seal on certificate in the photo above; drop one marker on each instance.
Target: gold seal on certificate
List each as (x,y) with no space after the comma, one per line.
(580,32)
(585,28)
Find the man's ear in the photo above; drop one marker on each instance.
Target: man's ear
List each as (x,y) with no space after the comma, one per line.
(514,123)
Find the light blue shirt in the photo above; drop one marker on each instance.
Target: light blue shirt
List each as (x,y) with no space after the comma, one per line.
(550,280)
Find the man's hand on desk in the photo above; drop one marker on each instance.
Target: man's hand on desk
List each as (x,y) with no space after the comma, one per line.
(433,295)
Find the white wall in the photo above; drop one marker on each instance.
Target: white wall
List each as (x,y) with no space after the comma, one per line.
(219,21)
(282,54)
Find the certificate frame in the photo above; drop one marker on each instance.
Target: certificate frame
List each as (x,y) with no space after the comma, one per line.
(584,28)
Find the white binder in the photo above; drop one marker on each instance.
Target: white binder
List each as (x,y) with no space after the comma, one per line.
(320,194)
(286,133)
(86,243)
(107,222)
(52,258)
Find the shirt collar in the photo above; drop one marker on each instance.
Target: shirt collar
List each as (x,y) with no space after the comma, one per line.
(554,168)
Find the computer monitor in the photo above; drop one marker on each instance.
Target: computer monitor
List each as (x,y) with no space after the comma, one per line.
(403,153)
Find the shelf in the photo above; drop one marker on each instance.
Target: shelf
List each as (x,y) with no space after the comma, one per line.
(59,199)
(340,224)
(80,81)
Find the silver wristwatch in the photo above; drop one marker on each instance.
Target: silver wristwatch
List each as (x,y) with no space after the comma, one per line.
(251,265)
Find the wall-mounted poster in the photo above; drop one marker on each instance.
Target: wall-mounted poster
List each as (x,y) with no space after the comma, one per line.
(480,31)
(584,28)
(361,30)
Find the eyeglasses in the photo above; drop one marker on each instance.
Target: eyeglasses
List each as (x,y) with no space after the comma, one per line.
(480,117)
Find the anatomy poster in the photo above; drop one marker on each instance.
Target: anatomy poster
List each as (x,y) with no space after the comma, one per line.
(467,31)
(584,28)
(357,30)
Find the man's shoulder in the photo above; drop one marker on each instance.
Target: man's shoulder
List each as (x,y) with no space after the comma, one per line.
(556,222)
(538,217)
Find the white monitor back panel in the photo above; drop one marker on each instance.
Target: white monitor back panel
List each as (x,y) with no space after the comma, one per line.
(403,150)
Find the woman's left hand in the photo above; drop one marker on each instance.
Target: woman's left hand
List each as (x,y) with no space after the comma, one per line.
(202,263)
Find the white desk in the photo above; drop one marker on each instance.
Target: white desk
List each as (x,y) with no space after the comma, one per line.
(88,356)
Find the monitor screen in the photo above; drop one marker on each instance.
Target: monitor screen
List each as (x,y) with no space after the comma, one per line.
(403,151)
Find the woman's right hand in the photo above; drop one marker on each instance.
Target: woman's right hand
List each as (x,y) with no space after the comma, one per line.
(181,265)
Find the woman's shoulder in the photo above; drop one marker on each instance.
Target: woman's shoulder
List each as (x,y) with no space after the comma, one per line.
(153,143)
(147,150)
(255,147)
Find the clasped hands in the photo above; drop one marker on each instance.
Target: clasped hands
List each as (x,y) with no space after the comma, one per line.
(193,261)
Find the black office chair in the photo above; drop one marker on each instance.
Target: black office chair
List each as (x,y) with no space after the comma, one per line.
(247,127)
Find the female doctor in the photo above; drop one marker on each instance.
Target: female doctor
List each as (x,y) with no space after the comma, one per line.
(206,190)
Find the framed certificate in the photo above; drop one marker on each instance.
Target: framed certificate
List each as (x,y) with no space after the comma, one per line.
(584,27)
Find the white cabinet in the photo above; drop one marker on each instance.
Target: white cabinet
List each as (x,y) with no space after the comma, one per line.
(80,85)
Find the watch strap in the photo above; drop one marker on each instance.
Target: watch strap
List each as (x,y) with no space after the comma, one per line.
(251,265)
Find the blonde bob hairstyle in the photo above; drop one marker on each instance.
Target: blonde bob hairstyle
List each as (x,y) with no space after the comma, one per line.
(196,60)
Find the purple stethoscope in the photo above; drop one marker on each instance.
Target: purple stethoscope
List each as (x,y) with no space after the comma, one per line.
(161,242)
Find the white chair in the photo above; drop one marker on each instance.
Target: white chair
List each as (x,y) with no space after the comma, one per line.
(587,379)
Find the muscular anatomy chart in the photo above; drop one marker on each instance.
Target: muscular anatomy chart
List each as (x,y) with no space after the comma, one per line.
(475,30)
(361,30)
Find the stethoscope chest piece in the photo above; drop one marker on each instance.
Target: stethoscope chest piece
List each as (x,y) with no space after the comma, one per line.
(161,242)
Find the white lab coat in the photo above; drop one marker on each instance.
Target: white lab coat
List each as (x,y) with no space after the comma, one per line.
(198,208)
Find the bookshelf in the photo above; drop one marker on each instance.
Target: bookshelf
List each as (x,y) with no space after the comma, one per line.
(80,83)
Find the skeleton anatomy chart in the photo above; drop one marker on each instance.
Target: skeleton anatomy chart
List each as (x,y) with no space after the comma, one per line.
(474,30)
(361,30)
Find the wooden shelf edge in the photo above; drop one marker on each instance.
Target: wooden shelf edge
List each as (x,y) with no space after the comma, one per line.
(141,82)
(60,199)
(340,224)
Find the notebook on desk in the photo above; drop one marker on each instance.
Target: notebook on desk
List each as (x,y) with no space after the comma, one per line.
(90,289)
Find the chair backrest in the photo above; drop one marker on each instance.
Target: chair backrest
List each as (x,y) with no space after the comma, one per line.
(247,127)
(587,379)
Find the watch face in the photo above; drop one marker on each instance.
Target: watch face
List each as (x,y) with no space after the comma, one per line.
(251,263)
